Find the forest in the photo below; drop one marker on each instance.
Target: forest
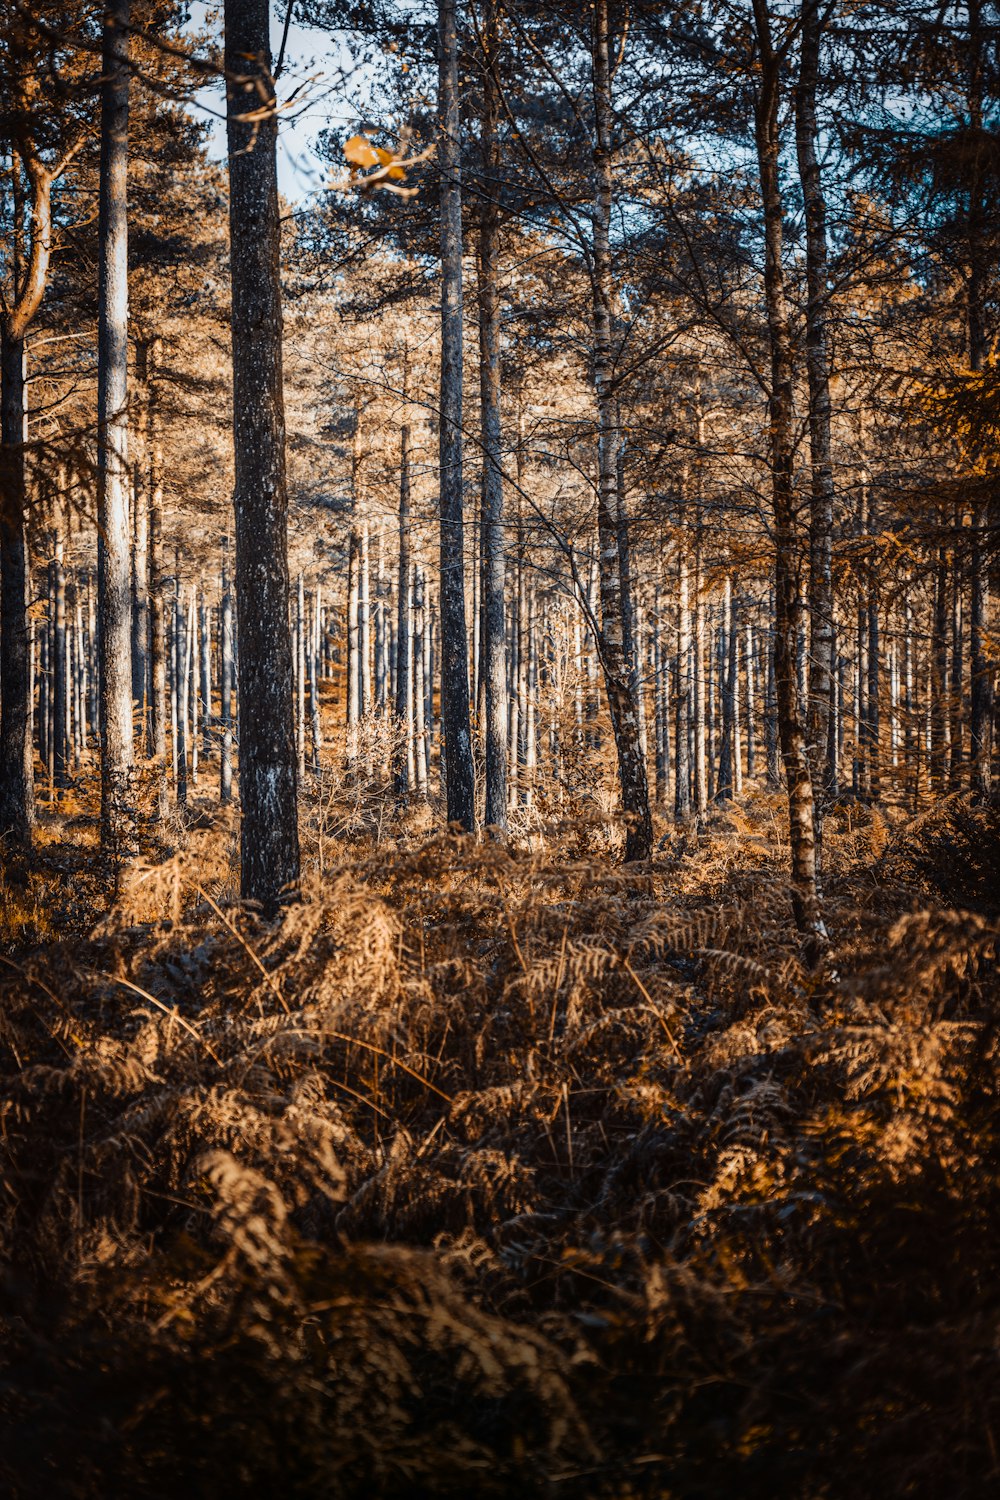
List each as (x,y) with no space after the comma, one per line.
(499,749)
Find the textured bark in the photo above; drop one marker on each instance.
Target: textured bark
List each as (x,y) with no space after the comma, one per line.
(268,788)
(353,639)
(980,666)
(619,677)
(939,675)
(140,536)
(782,440)
(17,790)
(682,696)
(421,629)
(114,549)
(725,786)
(300,677)
(403,769)
(31,251)
(493,542)
(58,666)
(818,373)
(751,700)
(364,623)
(459,772)
(226,680)
(157,731)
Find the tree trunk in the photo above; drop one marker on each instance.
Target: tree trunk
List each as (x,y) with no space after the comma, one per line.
(17,786)
(114,549)
(60,684)
(140,539)
(268,789)
(403,770)
(455,725)
(782,451)
(619,678)
(493,623)
(226,680)
(818,372)
(980,666)
(157,734)
(682,696)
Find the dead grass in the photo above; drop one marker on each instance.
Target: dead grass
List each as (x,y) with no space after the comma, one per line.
(506,1173)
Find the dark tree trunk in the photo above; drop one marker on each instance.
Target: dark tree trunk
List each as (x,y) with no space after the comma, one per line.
(157,732)
(114,547)
(782,446)
(682,698)
(60,681)
(17,786)
(818,372)
(459,770)
(268,789)
(619,677)
(494,634)
(226,680)
(402,771)
(140,538)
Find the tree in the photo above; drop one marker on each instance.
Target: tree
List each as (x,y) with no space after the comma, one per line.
(267,769)
(787,587)
(114,574)
(29,66)
(455,725)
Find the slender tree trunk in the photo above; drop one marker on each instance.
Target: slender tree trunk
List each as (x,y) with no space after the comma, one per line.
(364,623)
(751,701)
(114,552)
(980,666)
(205,642)
(180,692)
(354,700)
(619,677)
(698,674)
(725,786)
(192,681)
(493,542)
(420,629)
(17,785)
(60,695)
(782,448)
(157,733)
(300,677)
(459,772)
(226,680)
(268,789)
(682,695)
(818,373)
(403,770)
(140,540)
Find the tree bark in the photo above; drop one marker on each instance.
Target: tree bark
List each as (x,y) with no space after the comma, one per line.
(818,374)
(619,677)
(404,769)
(455,722)
(782,446)
(17,785)
(114,550)
(140,538)
(493,624)
(157,732)
(268,787)
(226,680)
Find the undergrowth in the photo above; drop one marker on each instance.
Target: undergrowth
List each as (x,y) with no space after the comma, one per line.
(492,1173)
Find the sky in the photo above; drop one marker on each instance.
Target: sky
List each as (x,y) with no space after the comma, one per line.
(320,86)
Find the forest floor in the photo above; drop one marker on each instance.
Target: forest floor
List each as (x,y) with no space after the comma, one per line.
(493,1173)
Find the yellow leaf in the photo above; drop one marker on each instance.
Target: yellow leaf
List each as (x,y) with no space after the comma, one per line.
(360,152)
